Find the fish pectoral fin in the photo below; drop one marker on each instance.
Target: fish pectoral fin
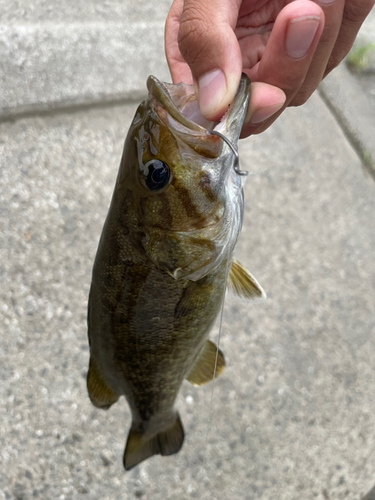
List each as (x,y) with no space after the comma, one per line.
(209,365)
(139,447)
(243,284)
(100,394)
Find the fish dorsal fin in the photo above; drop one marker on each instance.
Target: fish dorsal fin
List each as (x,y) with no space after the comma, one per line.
(204,368)
(243,284)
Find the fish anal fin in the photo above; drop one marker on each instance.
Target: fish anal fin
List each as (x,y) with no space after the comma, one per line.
(204,368)
(140,446)
(243,284)
(100,394)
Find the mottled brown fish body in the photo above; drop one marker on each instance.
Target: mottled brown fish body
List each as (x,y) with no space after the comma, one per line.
(148,329)
(161,268)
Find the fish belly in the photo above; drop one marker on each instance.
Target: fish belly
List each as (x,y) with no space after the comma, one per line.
(146,334)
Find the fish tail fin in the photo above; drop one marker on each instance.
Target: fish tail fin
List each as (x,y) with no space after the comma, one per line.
(139,446)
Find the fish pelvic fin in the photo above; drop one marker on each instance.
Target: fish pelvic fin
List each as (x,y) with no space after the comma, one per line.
(209,365)
(243,284)
(140,446)
(100,394)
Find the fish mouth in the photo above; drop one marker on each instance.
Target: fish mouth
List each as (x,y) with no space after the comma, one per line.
(178,107)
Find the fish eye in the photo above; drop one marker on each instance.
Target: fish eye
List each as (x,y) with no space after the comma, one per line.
(157,174)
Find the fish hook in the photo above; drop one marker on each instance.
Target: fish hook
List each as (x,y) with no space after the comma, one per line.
(236,164)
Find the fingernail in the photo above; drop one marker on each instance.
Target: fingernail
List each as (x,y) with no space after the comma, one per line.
(300,35)
(262,114)
(212,88)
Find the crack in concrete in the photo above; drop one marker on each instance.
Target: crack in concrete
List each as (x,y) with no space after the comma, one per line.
(366,158)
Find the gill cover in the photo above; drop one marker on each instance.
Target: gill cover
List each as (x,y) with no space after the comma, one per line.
(186,196)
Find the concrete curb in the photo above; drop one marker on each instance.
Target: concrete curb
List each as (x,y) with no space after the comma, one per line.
(50,65)
(354,111)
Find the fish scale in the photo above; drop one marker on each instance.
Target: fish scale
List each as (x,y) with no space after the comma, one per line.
(161,268)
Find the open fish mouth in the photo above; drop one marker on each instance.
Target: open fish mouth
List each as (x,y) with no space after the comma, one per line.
(178,106)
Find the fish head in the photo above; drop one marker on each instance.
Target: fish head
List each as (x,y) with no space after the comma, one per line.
(183,195)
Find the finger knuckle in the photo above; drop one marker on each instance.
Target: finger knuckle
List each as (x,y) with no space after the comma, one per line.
(291,86)
(193,25)
(190,30)
(191,40)
(356,11)
(336,57)
(301,98)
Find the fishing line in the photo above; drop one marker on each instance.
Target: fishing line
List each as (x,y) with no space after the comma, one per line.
(229,260)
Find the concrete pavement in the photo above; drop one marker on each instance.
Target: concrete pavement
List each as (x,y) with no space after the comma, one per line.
(293,414)
(55,54)
(350,95)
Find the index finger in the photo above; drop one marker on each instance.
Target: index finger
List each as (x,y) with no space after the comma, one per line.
(178,67)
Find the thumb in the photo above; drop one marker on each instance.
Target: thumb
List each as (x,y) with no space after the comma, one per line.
(210,47)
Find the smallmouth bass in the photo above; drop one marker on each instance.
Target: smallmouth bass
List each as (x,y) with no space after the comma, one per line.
(164,258)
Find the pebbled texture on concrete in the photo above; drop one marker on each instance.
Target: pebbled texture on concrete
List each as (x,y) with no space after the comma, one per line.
(351,96)
(354,109)
(56,54)
(366,37)
(62,64)
(72,11)
(293,414)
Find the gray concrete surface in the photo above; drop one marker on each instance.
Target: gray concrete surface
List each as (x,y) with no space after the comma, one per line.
(72,11)
(366,36)
(351,97)
(353,108)
(51,66)
(292,416)
(55,54)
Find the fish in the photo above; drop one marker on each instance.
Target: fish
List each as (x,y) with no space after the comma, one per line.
(164,262)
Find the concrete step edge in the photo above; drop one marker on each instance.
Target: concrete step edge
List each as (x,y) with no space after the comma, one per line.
(353,110)
(49,66)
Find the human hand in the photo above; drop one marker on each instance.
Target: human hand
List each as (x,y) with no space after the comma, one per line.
(286,48)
